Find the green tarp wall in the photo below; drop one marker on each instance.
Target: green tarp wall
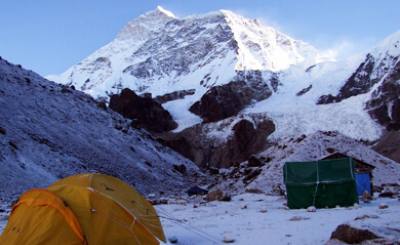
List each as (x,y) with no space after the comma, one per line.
(323,184)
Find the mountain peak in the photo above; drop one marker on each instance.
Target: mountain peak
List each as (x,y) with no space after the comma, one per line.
(390,45)
(139,27)
(164,11)
(158,12)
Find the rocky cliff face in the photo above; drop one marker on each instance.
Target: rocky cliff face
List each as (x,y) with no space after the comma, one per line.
(228,100)
(222,144)
(378,76)
(360,82)
(144,111)
(49,131)
(384,104)
(388,145)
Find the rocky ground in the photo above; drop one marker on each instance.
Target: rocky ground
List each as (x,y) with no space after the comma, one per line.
(49,131)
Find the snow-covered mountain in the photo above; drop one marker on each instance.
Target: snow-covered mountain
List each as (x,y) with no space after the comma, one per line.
(160,53)
(49,131)
(210,71)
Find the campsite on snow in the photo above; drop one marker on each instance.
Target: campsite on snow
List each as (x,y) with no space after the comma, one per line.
(203,127)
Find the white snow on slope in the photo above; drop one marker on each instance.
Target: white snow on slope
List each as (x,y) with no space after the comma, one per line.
(211,222)
(294,115)
(160,53)
(262,47)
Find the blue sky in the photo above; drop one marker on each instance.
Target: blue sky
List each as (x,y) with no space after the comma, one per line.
(48,36)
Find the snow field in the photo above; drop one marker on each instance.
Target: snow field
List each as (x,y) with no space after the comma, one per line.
(209,223)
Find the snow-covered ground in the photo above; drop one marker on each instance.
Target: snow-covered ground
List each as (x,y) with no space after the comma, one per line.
(266,220)
(209,223)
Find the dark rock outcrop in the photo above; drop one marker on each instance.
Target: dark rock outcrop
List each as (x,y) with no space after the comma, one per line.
(359,82)
(198,191)
(384,105)
(145,112)
(388,145)
(3,131)
(369,73)
(221,102)
(218,195)
(351,235)
(254,162)
(246,139)
(304,90)
(181,168)
(228,100)
(251,174)
(180,94)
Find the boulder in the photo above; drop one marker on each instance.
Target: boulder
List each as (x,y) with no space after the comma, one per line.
(218,195)
(366,197)
(254,191)
(263,210)
(181,168)
(383,206)
(251,175)
(254,162)
(387,193)
(351,235)
(102,105)
(159,201)
(311,209)
(145,112)
(228,239)
(173,239)
(213,171)
(195,190)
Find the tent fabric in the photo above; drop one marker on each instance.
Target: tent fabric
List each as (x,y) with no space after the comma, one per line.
(40,217)
(363,182)
(108,211)
(322,184)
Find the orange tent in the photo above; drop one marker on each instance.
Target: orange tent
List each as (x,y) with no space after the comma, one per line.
(83,209)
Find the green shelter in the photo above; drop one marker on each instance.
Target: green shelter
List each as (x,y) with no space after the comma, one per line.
(323,184)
